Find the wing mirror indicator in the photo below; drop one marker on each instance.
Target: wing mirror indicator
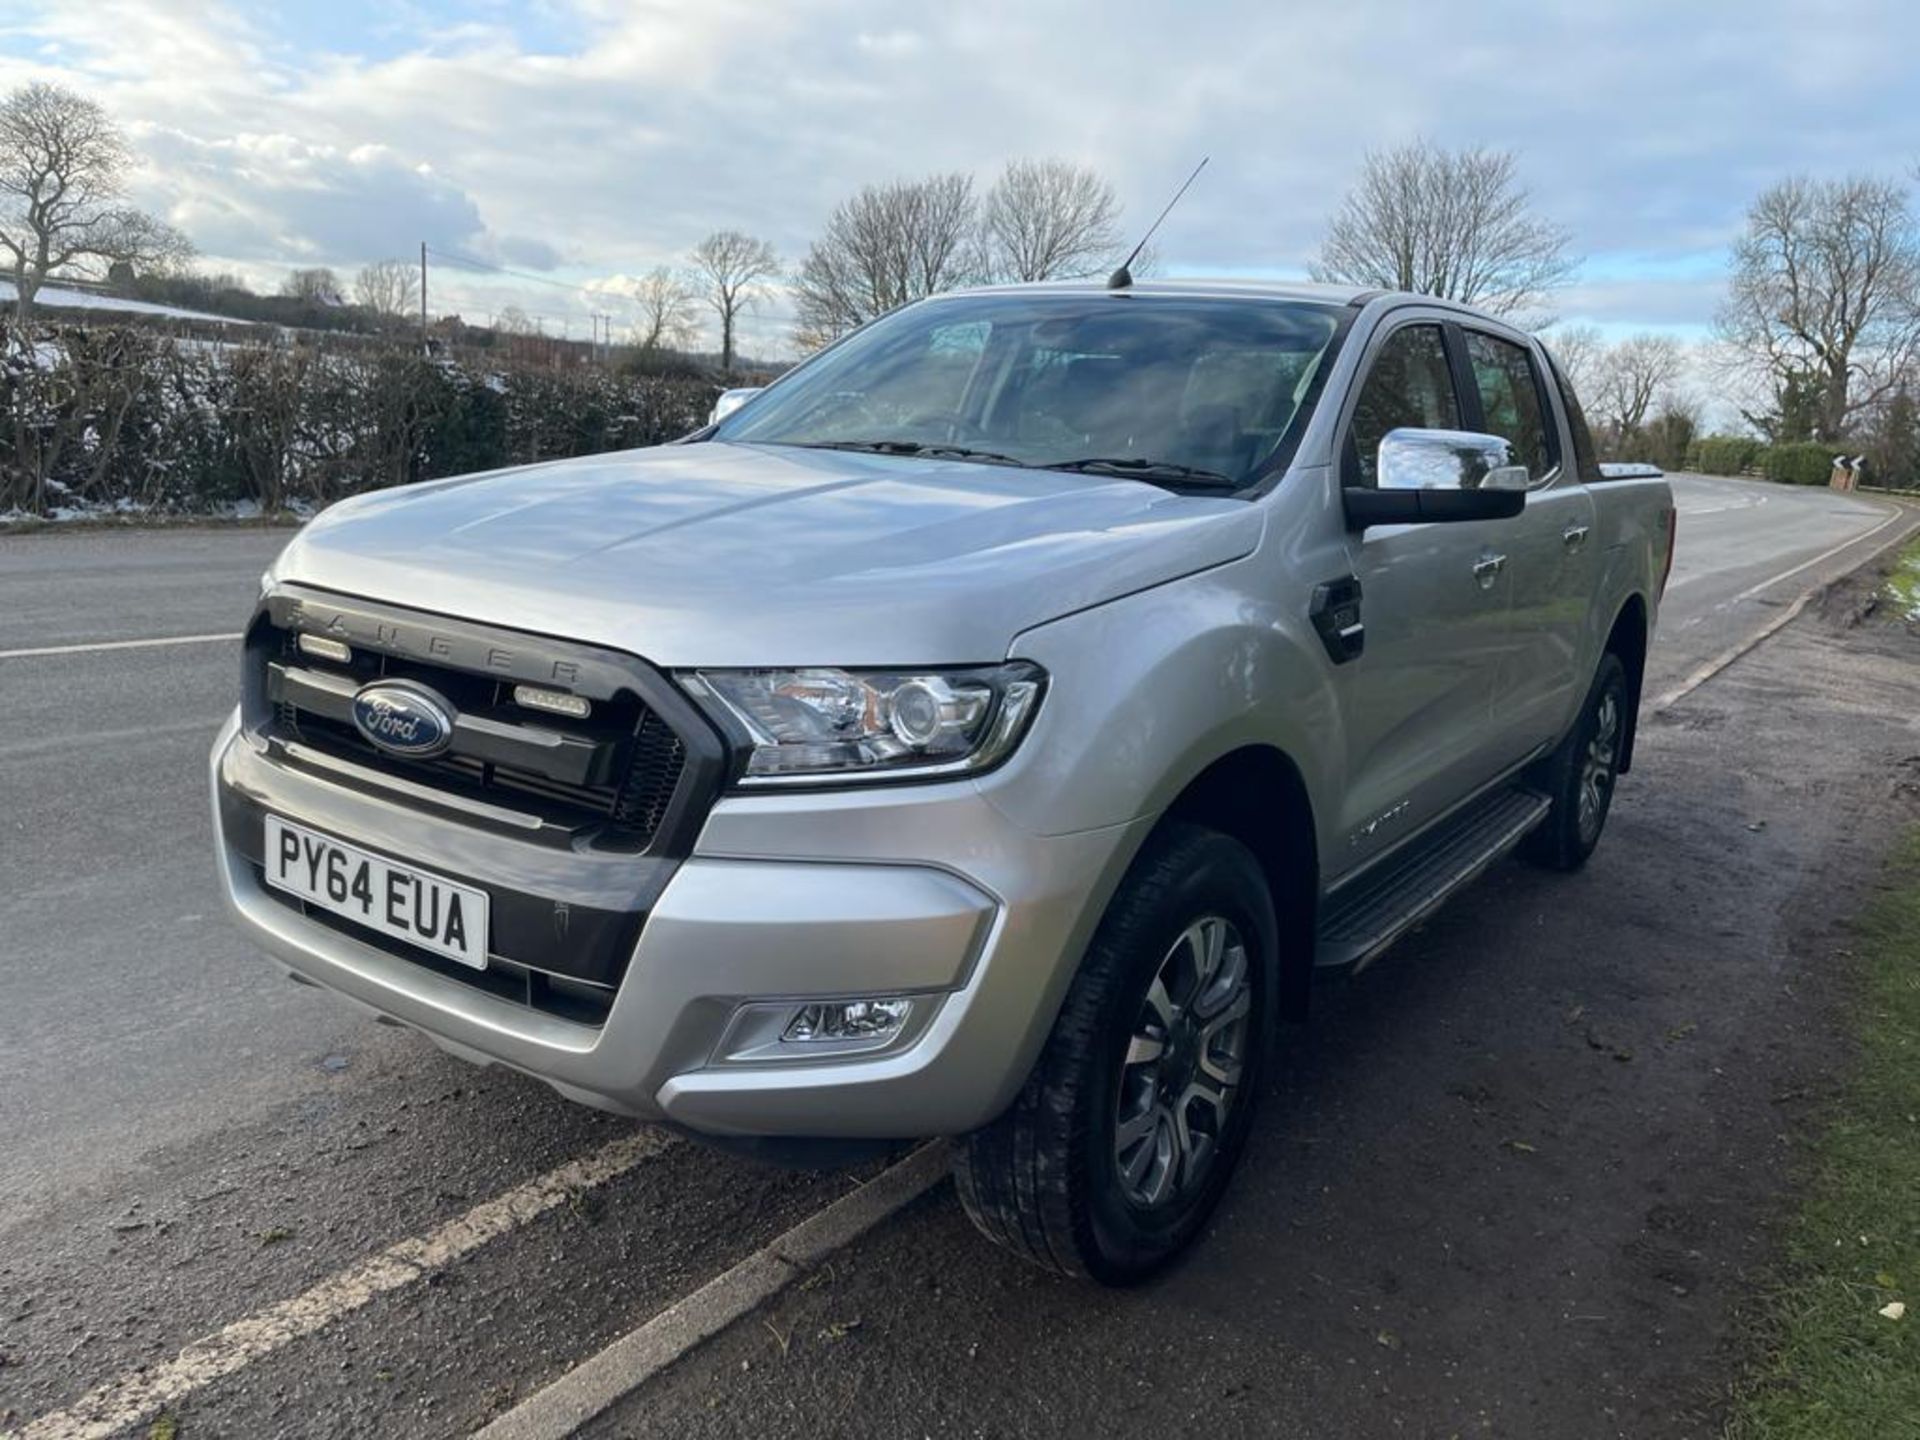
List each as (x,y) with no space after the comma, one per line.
(1426,476)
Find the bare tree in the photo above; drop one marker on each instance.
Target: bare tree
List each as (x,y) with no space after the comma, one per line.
(735,268)
(669,306)
(1452,223)
(886,246)
(63,168)
(1631,376)
(1823,305)
(1578,350)
(1049,220)
(513,321)
(316,284)
(389,288)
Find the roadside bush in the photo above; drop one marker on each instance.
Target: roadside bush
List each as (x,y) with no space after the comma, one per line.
(1806,462)
(1724,454)
(124,418)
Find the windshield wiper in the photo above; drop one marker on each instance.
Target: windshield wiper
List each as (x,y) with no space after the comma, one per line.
(913,447)
(1143,469)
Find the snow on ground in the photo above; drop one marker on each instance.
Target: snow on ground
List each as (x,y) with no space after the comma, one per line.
(54,297)
(133,510)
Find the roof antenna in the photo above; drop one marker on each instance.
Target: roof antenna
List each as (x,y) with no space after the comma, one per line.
(1123,277)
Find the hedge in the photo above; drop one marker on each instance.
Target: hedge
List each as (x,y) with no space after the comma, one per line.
(1724,454)
(124,418)
(1805,463)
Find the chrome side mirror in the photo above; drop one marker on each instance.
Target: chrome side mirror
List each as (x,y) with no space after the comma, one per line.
(1448,460)
(1436,475)
(730,401)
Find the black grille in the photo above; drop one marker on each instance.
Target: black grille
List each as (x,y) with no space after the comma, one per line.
(576,1000)
(652,773)
(635,771)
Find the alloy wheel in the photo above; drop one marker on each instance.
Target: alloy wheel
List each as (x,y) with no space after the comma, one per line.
(1597,767)
(1181,1074)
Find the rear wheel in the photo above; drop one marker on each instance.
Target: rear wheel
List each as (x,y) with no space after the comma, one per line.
(1124,1136)
(1580,774)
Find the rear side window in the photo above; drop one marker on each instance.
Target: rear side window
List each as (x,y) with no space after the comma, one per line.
(1510,399)
(1410,384)
(1585,458)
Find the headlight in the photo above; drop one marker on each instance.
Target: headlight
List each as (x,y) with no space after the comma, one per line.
(824,726)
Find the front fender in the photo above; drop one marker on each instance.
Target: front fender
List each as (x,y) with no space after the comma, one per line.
(1148,690)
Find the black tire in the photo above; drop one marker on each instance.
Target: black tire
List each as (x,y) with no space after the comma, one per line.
(1565,839)
(1044,1180)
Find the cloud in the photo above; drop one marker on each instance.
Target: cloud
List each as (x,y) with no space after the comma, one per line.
(528,250)
(894,44)
(277,197)
(590,137)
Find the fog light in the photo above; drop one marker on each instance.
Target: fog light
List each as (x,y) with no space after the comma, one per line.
(848,1020)
(322,648)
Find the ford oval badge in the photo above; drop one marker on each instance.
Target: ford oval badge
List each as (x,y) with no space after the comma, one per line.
(406,720)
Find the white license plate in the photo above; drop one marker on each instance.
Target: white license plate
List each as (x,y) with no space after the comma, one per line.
(397,900)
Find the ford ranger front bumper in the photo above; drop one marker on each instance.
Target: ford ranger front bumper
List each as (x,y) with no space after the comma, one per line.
(928,893)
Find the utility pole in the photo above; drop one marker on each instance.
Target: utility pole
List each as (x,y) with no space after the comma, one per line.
(423,297)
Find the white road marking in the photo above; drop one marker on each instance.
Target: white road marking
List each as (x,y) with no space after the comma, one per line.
(96,646)
(1684,580)
(135,1396)
(1726,657)
(595,1386)
(1748,594)
(1703,673)
(1747,503)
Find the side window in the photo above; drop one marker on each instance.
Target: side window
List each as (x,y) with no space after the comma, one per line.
(1410,384)
(1584,459)
(1510,399)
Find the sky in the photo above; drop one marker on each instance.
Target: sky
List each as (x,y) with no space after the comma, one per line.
(576,141)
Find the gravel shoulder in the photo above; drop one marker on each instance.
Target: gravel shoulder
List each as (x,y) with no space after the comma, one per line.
(1525,1177)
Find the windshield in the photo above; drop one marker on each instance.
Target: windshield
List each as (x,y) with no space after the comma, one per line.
(1192,392)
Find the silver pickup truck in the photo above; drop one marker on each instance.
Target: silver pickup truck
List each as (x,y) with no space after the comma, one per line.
(990,729)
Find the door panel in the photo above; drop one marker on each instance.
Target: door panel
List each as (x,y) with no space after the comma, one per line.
(1415,704)
(1553,560)
(1551,550)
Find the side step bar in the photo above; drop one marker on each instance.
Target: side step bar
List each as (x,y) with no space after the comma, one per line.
(1368,914)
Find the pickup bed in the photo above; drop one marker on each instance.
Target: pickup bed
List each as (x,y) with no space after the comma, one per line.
(990,729)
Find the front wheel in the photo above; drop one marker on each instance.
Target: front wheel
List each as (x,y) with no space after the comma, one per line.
(1580,774)
(1124,1136)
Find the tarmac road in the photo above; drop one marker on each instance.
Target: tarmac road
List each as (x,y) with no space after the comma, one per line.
(188,1138)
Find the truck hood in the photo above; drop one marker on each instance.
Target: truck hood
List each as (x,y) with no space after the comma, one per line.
(721,554)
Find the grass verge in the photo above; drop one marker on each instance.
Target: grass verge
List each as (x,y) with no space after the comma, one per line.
(1902,588)
(1833,1366)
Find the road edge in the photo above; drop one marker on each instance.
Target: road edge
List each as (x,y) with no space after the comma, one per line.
(1701,674)
(596,1385)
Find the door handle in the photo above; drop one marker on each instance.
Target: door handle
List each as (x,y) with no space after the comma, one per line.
(1487,569)
(1574,536)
